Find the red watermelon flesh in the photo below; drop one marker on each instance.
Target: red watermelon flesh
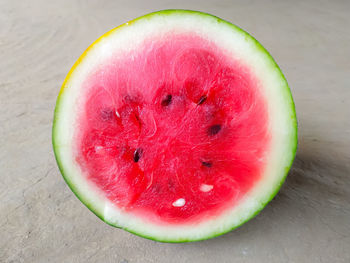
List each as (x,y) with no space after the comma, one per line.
(173,132)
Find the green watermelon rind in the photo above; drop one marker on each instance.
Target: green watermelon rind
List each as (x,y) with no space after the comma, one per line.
(288,96)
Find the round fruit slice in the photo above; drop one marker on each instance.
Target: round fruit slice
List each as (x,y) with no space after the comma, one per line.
(177,126)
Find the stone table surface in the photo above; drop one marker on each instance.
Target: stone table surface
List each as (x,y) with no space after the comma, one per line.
(42,221)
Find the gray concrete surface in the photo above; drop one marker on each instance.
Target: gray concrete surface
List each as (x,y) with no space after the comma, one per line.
(42,221)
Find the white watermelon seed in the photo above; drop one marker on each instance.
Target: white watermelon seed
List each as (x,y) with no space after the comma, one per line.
(206,187)
(179,202)
(117,113)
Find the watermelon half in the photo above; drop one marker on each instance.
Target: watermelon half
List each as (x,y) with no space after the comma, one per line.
(177,126)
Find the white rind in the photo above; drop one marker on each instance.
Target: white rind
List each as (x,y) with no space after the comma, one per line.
(236,43)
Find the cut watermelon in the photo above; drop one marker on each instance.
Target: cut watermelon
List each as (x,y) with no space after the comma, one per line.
(177,126)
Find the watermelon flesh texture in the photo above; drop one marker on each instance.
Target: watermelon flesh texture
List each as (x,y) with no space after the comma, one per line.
(174,132)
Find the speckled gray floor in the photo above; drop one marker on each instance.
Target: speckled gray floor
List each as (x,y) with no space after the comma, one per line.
(42,221)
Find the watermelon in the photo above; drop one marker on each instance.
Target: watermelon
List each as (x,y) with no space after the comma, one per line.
(177,126)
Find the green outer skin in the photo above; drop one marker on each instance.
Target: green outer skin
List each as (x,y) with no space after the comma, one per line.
(90,206)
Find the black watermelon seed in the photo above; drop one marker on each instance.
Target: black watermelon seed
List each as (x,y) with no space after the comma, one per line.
(207,164)
(202,99)
(137,155)
(167,100)
(214,129)
(137,117)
